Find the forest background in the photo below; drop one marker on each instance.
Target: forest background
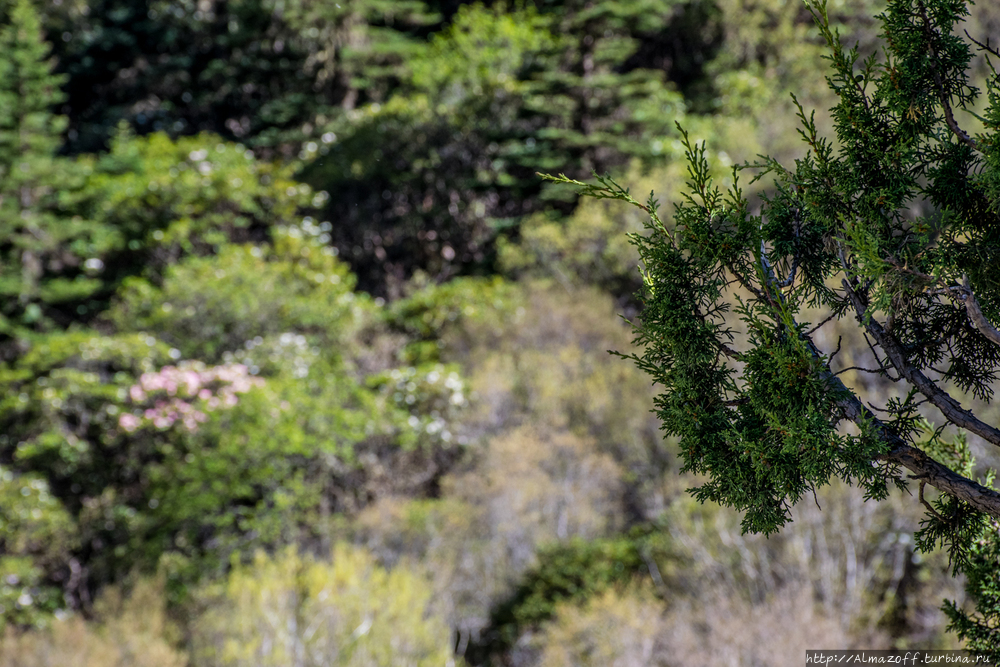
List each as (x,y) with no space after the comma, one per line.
(301,363)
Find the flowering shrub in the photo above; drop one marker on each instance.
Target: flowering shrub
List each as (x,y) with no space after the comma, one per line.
(184,393)
(433,394)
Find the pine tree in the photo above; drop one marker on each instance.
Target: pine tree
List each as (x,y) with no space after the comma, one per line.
(30,134)
(895,225)
(30,91)
(427,178)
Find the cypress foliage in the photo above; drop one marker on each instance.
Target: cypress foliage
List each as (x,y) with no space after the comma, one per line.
(894,224)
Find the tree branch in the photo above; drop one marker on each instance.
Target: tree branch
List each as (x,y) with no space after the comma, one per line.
(949,116)
(948,406)
(968,297)
(923,467)
(961,293)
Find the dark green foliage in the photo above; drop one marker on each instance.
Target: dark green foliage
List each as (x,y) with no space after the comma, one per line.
(572,572)
(449,108)
(73,229)
(31,229)
(252,70)
(485,104)
(894,224)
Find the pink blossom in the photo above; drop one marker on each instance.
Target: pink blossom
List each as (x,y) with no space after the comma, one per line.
(172,390)
(193,381)
(128,421)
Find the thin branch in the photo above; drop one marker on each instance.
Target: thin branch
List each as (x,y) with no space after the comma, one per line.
(818,326)
(872,348)
(728,351)
(926,504)
(983,47)
(835,352)
(975,312)
(880,371)
(791,274)
(795,255)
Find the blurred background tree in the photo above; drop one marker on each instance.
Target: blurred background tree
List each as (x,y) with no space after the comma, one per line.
(278,276)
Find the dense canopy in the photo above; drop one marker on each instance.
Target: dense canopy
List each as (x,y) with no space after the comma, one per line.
(301,361)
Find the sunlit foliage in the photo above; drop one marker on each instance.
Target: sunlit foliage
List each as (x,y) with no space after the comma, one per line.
(347,611)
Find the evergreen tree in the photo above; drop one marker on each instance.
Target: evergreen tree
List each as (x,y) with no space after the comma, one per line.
(252,70)
(427,178)
(30,90)
(30,134)
(896,225)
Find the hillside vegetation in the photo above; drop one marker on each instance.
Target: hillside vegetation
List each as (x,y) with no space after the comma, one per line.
(301,363)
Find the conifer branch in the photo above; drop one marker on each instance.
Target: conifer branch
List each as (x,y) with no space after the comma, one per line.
(923,467)
(949,115)
(948,406)
(962,293)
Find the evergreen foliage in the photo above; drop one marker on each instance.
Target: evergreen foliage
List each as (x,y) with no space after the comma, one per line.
(29,205)
(251,70)
(895,225)
(490,100)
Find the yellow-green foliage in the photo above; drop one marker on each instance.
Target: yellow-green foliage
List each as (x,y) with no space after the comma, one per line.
(188,192)
(346,612)
(526,489)
(589,247)
(548,364)
(614,629)
(130,631)
(532,488)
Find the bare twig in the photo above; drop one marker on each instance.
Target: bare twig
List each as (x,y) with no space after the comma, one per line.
(926,504)
(835,352)
(879,371)
(983,47)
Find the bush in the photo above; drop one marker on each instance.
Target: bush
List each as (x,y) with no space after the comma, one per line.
(130,630)
(345,612)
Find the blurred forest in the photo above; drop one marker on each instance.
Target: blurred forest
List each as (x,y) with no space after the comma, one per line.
(302,364)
